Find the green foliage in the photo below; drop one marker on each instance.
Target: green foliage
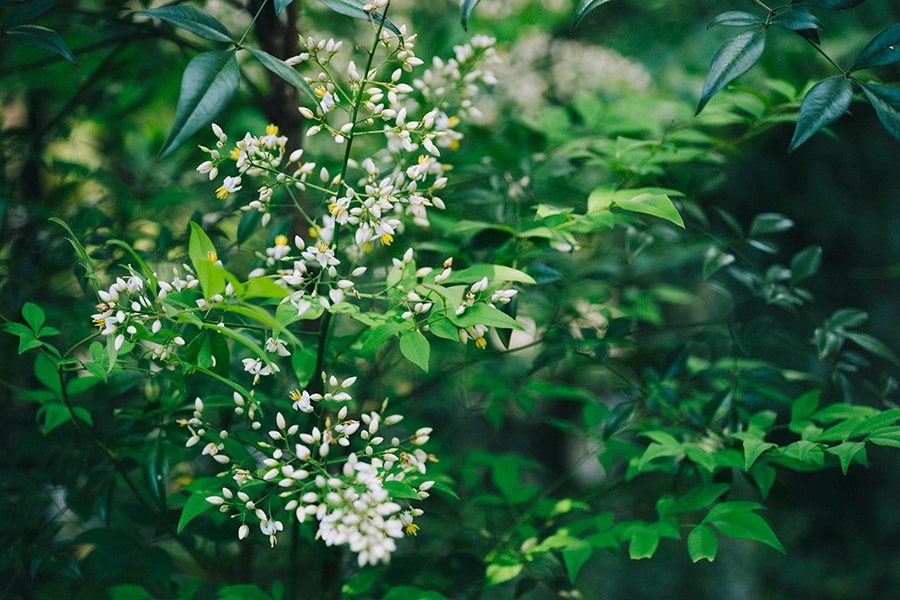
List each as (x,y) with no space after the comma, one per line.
(647,372)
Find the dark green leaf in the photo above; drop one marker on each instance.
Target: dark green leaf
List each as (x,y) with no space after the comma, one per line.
(805,264)
(34,316)
(714,260)
(210,80)
(41,37)
(203,257)
(54,415)
(195,505)
(586,6)
(415,348)
(194,20)
(86,262)
(734,58)
(767,223)
(886,102)
(574,556)
(884,49)
(735,18)
(408,592)
(497,573)
(699,497)
(805,405)
(128,591)
(465,9)
(845,318)
(354,8)
(825,102)
(280,68)
(702,544)
(25,12)
(797,19)
(873,345)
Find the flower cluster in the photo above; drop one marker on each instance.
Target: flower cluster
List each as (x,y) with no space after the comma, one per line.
(337,473)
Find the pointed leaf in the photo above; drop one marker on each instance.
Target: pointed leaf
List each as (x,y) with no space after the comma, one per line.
(884,49)
(465,9)
(354,8)
(797,19)
(643,544)
(734,58)
(574,556)
(415,348)
(657,205)
(805,264)
(194,20)
(746,525)
(886,102)
(209,82)
(34,316)
(195,505)
(203,257)
(41,37)
(584,7)
(735,18)
(824,103)
(702,544)
(25,12)
(873,345)
(280,5)
(847,452)
(281,68)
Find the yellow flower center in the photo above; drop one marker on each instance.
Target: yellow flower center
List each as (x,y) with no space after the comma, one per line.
(481,343)
(235,153)
(281,240)
(221,193)
(412,529)
(271,129)
(386,239)
(212,256)
(295,395)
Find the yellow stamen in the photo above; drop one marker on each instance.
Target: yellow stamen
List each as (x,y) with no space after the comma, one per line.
(221,193)
(235,153)
(271,129)
(454,145)
(295,395)
(320,92)
(313,232)
(481,343)
(281,240)
(453,121)
(212,256)
(386,239)
(412,529)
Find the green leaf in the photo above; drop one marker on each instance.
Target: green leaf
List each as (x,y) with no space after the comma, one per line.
(823,104)
(574,556)
(408,592)
(584,7)
(203,256)
(210,80)
(354,8)
(281,68)
(714,260)
(702,544)
(884,49)
(497,573)
(194,20)
(698,498)
(753,449)
(482,314)
(643,543)
(128,591)
(493,272)
(415,348)
(797,19)
(805,405)
(54,415)
(805,264)
(806,452)
(735,18)
(734,58)
(844,318)
(739,522)
(657,205)
(400,489)
(145,268)
(873,345)
(764,477)
(465,11)
(886,102)
(767,223)
(195,505)
(43,38)
(244,591)
(34,316)
(847,452)
(86,262)
(25,12)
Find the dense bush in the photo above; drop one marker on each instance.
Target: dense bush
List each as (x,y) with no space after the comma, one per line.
(482,319)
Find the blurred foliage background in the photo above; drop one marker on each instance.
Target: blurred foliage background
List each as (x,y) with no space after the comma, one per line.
(82,143)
